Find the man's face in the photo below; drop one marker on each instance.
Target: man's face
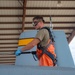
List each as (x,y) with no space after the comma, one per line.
(36,24)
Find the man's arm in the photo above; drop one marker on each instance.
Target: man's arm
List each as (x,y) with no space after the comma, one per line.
(33,43)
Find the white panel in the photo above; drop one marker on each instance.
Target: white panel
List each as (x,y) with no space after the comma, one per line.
(10,19)
(28,25)
(10,25)
(11,12)
(40,3)
(8,49)
(4,53)
(6,56)
(10,3)
(28,19)
(50,12)
(8,41)
(9,31)
(50,3)
(9,45)
(9,36)
(57,19)
(68,3)
(61,25)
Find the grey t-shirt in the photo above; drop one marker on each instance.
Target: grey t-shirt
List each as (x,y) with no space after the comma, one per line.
(43,36)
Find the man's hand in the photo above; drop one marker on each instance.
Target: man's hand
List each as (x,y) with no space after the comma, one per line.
(18,52)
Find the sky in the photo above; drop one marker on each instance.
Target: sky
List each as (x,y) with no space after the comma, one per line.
(72,48)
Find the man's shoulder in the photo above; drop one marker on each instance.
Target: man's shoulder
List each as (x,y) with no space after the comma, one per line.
(45,29)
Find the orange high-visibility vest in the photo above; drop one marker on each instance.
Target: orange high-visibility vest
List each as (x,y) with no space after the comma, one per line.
(44,59)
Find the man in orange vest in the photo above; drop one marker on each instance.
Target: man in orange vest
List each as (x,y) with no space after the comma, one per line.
(42,39)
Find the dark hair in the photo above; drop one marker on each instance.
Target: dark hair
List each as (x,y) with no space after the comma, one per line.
(39,17)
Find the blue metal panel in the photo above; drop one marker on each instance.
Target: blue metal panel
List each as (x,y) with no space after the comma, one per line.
(64,58)
(27,34)
(26,59)
(62,50)
(33,70)
(65,61)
